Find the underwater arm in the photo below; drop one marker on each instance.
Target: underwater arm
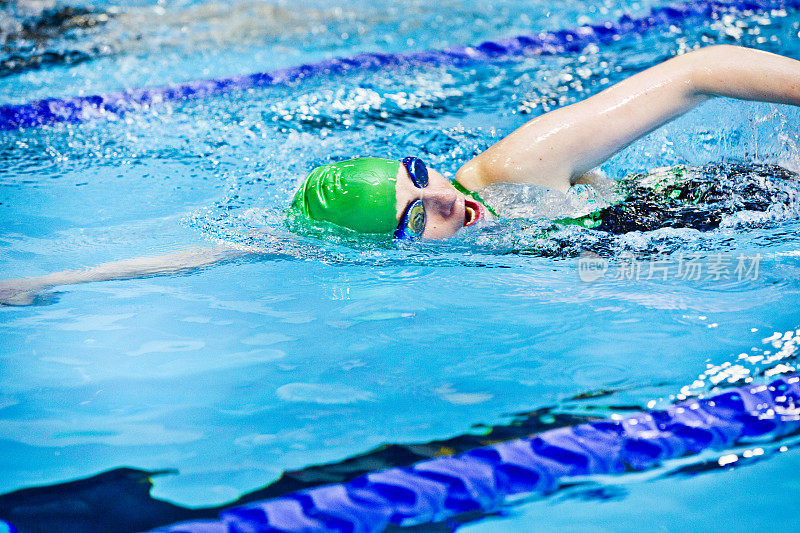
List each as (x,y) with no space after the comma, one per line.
(23,291)
(555,149)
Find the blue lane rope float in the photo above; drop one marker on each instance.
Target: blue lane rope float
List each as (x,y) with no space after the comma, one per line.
(483,478)
(80,108)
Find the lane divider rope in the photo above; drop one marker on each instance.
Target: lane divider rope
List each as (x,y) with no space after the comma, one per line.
(80,108)
(484,478)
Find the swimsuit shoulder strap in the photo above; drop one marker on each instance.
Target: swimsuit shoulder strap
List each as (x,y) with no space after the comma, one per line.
(475,196)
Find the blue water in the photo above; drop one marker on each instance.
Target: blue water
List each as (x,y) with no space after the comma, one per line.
(315,351)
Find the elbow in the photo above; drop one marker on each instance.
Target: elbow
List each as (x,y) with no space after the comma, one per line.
(716,53)
(718,49)
(703,68)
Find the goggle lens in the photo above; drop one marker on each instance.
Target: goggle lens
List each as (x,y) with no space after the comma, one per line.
(417,171)
(416,218)
(413,223)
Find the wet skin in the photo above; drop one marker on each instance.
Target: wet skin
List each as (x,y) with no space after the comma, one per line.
(446,209)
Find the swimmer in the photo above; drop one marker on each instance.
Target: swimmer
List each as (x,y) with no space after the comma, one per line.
(557,150)
(407,200)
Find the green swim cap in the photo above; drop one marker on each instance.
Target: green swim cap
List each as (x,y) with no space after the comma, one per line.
(358,194)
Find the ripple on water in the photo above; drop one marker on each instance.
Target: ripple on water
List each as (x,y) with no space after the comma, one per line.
(151,347)
(323,393)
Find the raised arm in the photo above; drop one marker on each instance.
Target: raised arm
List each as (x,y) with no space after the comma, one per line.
(23,291)
(555,149)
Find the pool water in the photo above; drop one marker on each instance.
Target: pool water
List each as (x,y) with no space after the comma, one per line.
(314,351)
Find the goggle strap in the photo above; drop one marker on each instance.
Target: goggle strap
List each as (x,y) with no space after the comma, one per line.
(475,196)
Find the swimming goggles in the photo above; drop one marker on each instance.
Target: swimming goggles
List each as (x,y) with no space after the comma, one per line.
(412,224)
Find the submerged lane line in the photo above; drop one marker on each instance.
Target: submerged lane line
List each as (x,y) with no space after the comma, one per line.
(484,478)
(82,108)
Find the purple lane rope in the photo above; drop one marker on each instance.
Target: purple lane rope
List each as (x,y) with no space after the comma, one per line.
(483,478)
(81,108)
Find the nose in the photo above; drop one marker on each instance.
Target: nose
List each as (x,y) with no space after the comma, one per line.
(441,199)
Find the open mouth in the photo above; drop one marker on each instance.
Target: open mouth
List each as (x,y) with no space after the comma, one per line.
(473,212)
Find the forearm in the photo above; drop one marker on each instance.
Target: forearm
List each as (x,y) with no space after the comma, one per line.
(175,263)
(557,148)
(747,74)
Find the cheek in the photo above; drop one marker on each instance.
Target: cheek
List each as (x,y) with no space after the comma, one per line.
(438,227)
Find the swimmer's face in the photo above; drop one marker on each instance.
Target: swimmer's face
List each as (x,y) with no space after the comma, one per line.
(446,209)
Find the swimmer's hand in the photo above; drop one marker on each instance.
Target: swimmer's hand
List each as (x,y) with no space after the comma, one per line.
(19,292)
